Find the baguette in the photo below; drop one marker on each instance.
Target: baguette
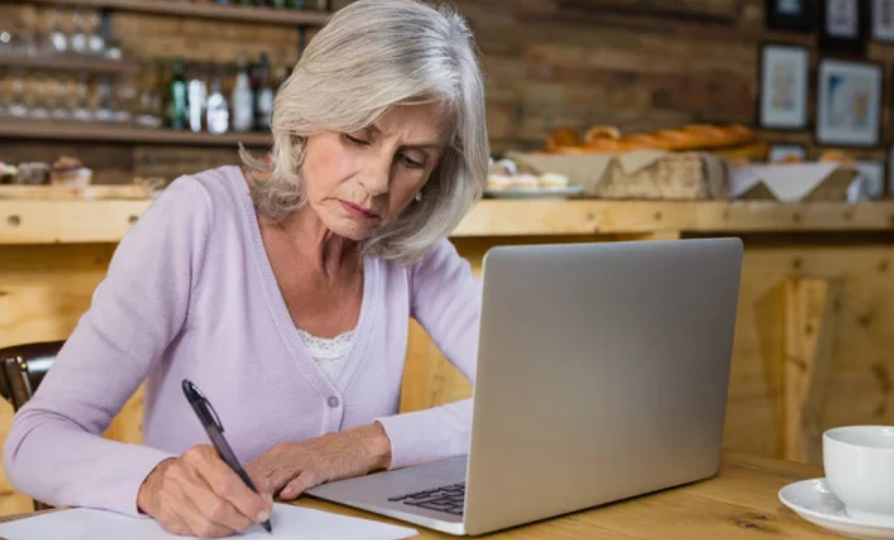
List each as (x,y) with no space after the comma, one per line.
(562,137)
(608,139)
(836,156)
(598,133)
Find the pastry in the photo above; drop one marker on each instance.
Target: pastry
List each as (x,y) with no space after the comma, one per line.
(8,173)
(69,171)
(608,139)
(596,133)
(708,136)
(790,158)
(747,134)
(553,181)
(33,173)
(563,137)
(647,142)
(836,156)
(498,182)
(525,181)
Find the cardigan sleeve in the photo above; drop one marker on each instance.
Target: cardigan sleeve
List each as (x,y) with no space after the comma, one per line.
(446,300)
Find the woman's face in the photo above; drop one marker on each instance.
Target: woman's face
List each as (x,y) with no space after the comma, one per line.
(361,181)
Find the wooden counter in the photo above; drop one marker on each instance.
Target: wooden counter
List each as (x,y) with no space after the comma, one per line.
(68,221)
(813,344)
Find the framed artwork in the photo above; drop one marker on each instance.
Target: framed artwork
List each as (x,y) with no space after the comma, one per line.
(784,75)
(844,26)
(789,15)
(883,20)
(849,103)
(891,170)
(872,177)
(781,152)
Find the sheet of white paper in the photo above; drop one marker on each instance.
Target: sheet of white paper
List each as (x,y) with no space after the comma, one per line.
(289,522)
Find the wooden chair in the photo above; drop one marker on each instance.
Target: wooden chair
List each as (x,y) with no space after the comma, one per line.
(22,368)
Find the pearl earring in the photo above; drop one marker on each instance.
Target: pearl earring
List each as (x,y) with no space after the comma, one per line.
(418,196)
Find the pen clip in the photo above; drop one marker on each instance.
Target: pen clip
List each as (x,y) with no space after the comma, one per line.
(213,415)
(193,393)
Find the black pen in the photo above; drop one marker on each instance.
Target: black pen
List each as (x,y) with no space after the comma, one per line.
(211,423)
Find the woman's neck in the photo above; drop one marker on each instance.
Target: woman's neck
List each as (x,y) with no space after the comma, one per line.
(328,252)
(306,233)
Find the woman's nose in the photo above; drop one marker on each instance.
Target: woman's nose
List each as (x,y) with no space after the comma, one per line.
(377,176)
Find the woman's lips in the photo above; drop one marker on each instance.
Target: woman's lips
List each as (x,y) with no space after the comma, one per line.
(358,211)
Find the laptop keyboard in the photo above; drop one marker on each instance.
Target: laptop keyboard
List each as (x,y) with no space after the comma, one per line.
(448,499)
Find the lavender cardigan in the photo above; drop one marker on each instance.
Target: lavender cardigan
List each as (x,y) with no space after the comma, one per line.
(190,293)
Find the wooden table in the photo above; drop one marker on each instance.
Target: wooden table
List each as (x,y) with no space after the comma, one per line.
(739,503)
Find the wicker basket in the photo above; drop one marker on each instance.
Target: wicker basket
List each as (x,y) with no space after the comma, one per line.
(638,175)
(674,176)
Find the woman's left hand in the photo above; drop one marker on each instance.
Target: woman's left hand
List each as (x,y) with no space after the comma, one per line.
(298,466)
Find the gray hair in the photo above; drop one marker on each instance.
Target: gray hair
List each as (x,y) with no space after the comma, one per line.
(370,56)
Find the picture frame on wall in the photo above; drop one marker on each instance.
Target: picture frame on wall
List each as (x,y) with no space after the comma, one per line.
(790,15)
(883,20)
(783,86)
(844,26)
(787,151)
(849,103)
(890,190)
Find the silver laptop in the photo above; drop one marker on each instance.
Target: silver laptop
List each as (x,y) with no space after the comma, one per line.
(602,374)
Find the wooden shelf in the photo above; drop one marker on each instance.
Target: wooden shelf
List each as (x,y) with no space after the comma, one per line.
(93,132)
(68,63)
(186,8)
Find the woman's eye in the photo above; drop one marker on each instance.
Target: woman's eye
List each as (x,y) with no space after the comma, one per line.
(355,140)
(411,163)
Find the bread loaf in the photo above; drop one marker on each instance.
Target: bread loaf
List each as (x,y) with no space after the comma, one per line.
(608,139)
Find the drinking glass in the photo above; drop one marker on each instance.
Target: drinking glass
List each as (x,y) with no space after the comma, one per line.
(96,44)
(82,110)
(36,96)
(59,37)
(17,106)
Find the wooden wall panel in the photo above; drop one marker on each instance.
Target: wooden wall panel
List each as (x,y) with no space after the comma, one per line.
(719,9)
(637,64)
(860,388)
(44,290)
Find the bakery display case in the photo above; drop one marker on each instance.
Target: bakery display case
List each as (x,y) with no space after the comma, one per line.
(697,162)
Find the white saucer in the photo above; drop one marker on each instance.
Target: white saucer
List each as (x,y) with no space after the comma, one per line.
(815,502)
(572,190)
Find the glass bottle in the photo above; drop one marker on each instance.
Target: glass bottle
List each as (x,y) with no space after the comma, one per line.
(218,115)
(78,41)
(243,99)
(176,113)
(264,95)
(197,95)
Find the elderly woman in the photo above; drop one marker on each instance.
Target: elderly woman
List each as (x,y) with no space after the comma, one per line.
(284,291)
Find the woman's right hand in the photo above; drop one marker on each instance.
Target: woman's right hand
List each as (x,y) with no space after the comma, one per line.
(197,494)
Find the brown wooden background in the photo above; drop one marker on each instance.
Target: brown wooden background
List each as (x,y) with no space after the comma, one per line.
(636,64)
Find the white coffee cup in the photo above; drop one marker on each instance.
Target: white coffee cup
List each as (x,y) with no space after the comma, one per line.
(859,464)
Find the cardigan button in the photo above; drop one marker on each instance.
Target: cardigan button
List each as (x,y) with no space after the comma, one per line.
(334,402)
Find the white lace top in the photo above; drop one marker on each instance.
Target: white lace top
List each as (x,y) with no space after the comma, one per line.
(330,355)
